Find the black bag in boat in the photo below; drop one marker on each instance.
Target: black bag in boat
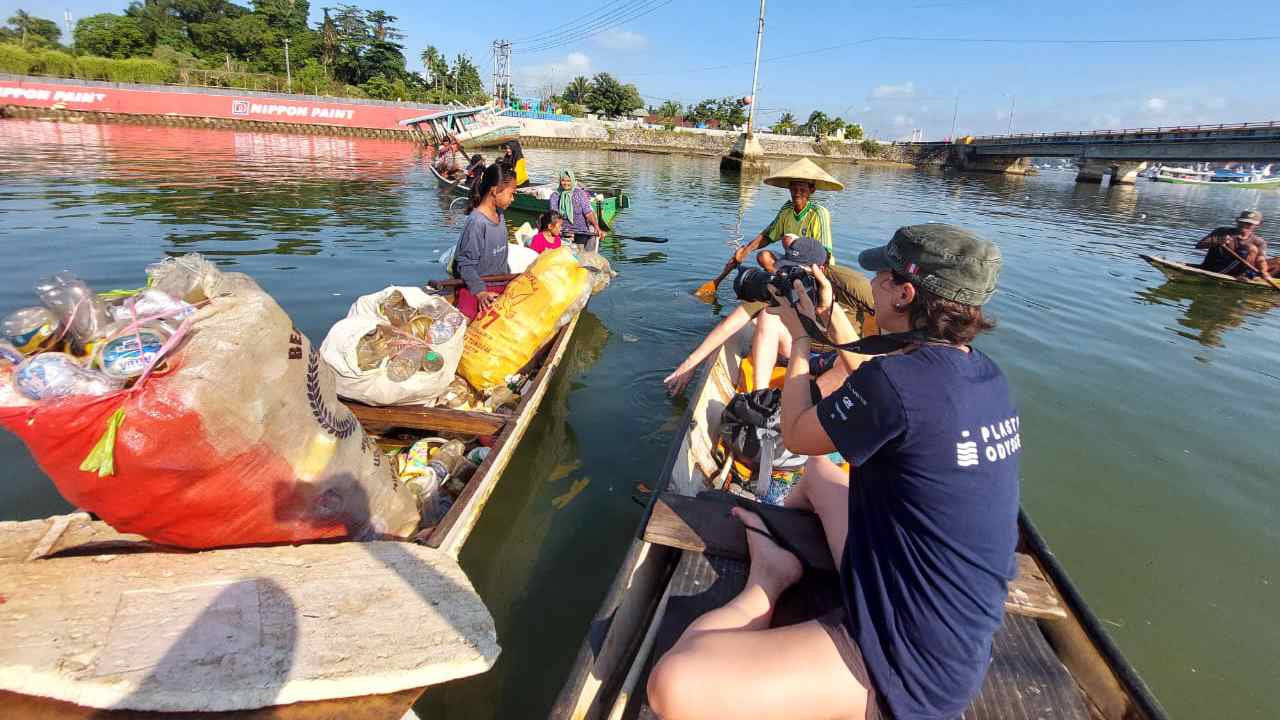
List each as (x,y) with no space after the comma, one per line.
(751,420)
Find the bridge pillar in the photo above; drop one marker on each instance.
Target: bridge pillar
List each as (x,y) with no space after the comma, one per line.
(964,158)
(1091,171)
(1126,173)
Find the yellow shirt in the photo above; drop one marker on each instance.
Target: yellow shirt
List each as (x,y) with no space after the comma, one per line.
(812,222)
(522,175)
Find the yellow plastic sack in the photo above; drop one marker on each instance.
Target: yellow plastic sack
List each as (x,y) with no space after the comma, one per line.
(504,338)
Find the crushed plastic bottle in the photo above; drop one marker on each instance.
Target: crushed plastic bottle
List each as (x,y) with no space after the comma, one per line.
(458,395)
(181,277)
(450,455)
(30,328)
(373,348)
(76,306)
(55,375)
(425,478)
(9,355)
(432,361)
(501,396)
(151,303)
(397,310)
(406,362)
(446,321)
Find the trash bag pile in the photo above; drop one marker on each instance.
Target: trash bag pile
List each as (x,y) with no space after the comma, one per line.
(193,413)
(399,346)
(505,337)
(436,470)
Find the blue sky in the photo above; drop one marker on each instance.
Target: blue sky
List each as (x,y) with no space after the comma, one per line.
(890,86)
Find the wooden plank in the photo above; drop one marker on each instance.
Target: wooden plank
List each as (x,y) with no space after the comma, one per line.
(392,706)
(703,524)
(457,283)
(423,417)
(240,628)
(461,519)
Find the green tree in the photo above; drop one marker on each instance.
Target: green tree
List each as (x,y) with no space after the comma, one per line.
(670,109)
(816,125)
(853,131)
(730,112)
(611,98)
(161,23)
(466,78)
(111,36)
(577,90)
(436,66)
(33,31)
(785,124)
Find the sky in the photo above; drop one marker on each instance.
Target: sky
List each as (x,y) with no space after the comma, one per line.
(894,67)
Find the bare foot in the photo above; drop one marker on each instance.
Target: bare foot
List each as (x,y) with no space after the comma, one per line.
(772,567)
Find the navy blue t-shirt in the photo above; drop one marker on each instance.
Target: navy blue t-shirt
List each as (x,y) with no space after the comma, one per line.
(932,436)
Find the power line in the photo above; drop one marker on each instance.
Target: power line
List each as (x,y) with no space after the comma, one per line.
(987,41)
(586,17)
(600,25)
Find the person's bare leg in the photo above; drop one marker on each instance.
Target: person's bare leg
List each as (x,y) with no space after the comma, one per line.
(764,348)
(824,489)
(805,676)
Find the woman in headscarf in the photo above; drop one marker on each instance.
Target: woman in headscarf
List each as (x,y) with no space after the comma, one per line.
(573,202)
(513,155)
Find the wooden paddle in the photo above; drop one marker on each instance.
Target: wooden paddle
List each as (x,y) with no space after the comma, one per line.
(707,291)
(639,238)
(1246,263)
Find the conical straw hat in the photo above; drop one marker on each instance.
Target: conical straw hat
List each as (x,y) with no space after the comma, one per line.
(805,170)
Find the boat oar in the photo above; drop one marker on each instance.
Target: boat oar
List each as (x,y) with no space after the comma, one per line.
(1249,265)
(639,238)
(707,291)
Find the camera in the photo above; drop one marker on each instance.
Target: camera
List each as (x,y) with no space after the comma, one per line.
(752,284)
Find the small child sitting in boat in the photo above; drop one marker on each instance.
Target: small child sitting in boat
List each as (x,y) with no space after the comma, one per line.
(548,235)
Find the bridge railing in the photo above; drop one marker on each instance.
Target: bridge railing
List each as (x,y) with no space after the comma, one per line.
(1077,134)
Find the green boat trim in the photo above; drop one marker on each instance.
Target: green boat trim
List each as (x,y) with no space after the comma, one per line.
(606,208)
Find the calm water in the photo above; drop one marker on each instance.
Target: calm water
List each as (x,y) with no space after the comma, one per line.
(1146,404)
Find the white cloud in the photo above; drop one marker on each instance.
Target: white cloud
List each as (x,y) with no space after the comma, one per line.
(1156,104)
(533,78)
(616,39)
(905,90)
(902,121)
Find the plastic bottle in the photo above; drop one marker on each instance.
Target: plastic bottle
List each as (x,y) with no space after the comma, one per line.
(54,375)
(397,310)
(75,305)
(127,353)
(30,328)
(9,355)
(432,361)
(404,363)
(458,394)
(450,455)
(152,303)
(372,349)
(501,396)
(445,323)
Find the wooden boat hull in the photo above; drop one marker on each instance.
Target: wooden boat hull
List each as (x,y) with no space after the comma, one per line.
(611,663)
(606,209)
(1182,271)
(507,431)
(109,625)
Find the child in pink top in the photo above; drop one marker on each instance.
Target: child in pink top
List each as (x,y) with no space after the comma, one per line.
(548,235)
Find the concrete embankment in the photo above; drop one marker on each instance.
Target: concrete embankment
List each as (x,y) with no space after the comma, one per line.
(89,101)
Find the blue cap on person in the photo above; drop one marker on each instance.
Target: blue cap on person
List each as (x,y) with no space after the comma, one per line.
(800,250)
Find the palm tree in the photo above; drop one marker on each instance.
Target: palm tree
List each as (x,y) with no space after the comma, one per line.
(577,90)
(785,125)
(22,20)
(670,109)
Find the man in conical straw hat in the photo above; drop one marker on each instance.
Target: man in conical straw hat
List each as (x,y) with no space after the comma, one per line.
(805,222)
(801,216)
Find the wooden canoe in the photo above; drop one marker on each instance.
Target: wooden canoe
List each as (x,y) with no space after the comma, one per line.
(606,209)
(98,624)
(505,428)
(1052,657)
(1182,271)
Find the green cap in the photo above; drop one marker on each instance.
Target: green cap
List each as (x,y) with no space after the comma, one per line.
(948,261)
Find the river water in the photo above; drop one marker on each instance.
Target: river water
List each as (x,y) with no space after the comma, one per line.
(1146,404)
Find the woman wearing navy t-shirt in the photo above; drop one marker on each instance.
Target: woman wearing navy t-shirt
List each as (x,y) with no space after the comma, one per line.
(923,529)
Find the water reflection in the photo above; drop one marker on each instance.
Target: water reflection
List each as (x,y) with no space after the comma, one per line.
(1209,310)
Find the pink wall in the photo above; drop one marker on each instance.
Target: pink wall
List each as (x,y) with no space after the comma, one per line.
(147,100)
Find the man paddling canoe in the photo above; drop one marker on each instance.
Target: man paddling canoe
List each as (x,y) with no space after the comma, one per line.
(800,216)
(1239,250)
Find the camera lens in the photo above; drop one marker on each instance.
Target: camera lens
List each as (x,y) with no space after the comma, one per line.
(752,285)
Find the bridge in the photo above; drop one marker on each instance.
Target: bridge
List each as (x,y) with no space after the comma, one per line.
(1124,152)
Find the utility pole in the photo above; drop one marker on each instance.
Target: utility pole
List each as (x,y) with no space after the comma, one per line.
(755,75)
(288,69)
(66,20)
(502,70)
(1013,101)
(955,111)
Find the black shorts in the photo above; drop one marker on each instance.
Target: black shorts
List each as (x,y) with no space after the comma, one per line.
(834,623)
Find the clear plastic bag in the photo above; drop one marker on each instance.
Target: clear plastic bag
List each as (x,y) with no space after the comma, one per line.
(77,308)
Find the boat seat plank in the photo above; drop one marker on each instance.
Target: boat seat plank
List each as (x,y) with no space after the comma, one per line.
(423,417)
(703,524)
(238,629)
(1025,681)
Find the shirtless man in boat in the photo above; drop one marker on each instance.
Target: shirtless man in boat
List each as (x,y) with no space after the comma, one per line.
(1226,243)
